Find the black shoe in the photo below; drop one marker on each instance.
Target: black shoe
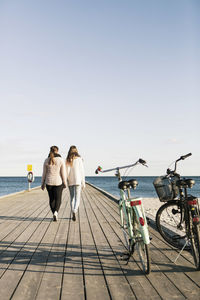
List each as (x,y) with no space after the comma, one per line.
(74,217)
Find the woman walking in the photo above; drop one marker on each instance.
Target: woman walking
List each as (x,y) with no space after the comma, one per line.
(54,178)
(75,178)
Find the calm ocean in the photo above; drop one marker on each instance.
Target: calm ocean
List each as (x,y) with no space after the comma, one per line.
(9,185)
(144,189)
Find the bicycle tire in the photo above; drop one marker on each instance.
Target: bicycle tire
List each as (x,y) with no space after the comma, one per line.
(167,222)
(144,256)
(124,226)
(195,244)
(142,248)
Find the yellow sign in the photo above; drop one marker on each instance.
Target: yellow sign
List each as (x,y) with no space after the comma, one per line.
(29,168)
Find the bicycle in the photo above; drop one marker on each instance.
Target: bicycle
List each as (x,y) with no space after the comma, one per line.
(178,220)
(133,219)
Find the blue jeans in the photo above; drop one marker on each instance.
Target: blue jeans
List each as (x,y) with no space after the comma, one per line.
(75,195)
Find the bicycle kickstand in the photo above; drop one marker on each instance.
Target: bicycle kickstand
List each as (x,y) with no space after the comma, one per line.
(128,255)
(127,258)
(180,252)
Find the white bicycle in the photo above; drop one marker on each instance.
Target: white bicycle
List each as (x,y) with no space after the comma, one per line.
(133,219)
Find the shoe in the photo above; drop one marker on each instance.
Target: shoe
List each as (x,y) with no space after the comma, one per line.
(74,217)
(55,216)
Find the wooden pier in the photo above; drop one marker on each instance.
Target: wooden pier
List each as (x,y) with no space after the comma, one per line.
(45,260)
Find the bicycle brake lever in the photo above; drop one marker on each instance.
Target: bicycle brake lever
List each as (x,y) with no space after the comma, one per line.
(168,171)
(142,162)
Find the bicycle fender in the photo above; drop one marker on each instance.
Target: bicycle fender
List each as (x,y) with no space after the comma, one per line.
(143,229)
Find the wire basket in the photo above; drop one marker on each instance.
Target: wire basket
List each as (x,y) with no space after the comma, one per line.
(166,188)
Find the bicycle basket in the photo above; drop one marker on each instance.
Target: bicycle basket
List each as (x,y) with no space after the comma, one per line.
(166,188)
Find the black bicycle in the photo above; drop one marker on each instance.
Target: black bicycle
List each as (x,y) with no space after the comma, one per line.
(178,220)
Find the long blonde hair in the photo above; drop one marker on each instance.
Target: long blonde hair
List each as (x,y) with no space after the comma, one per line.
(53,150)
(72,154)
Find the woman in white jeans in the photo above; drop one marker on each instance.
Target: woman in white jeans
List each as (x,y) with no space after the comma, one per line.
(75,178)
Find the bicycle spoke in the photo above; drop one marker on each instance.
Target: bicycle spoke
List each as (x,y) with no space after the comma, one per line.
(168,223)
(195,243)
(144,257)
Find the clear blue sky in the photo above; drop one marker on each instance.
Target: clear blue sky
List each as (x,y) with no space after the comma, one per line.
(119,79)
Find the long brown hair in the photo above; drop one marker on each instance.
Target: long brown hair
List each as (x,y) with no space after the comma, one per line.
(72,153)
(52,152)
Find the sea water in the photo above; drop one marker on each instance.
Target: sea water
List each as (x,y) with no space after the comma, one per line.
(144,189)
(9,185)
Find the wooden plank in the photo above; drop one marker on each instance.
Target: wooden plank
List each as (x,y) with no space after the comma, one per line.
(81,260)
(182,265)
(15,260)
(18,215)
(45,247)
(29,281)
(95,284)
(54,245)
(15,243)
(170,279)
(72,284)
(138,281)
(185,257)
(117,283)
(22,210)
(183,289)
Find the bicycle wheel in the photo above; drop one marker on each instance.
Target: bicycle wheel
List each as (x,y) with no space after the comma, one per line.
(195,244)
(168,222)
(144,256)
(125,226)
(142,248)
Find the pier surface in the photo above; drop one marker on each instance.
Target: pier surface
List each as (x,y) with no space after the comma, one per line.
(46,260)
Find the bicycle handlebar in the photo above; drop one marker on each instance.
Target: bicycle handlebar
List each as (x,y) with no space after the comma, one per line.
(170,172)
(185,156)
(139,161)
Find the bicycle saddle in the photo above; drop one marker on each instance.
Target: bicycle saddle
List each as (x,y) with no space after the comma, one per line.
(123,185)
(187,183)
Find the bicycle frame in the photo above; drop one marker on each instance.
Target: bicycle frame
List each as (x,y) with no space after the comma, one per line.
(130,205)
(183,196)
(133,220)
(182,191)
(185,210)
(186,207)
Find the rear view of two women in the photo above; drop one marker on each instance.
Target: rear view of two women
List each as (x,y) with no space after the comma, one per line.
(57,174)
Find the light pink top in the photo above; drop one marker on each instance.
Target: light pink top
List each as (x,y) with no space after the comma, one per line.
(54,174)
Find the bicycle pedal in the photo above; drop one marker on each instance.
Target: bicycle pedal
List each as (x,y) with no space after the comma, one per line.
(124,258)
(125,253)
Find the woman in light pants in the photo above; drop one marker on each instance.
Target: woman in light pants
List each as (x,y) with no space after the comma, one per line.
(75,195)
(75,178)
